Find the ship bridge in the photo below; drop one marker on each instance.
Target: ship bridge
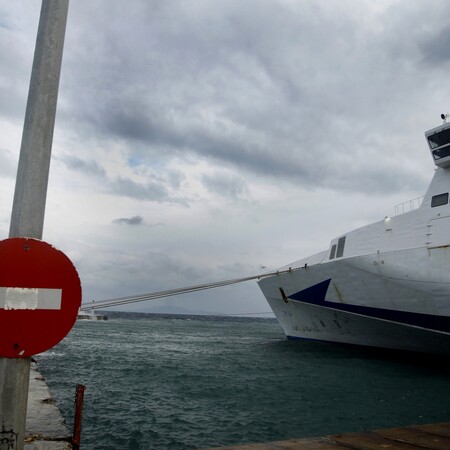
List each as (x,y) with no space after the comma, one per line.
(439,142)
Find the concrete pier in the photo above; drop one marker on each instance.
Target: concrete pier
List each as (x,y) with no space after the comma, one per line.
(46,429)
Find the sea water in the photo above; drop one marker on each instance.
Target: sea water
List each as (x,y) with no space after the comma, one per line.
(178,382)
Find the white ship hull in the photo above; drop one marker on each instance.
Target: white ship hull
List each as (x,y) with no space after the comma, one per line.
(355,301)
(384,285)
(348,328)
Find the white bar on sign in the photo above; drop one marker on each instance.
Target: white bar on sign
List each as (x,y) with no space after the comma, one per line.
(21,298)
(49,298)
(12,298)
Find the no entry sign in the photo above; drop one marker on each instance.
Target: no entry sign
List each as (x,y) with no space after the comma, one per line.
(40,294)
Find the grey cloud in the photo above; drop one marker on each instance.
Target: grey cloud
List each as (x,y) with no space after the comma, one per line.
(435,47)
(269,88)
(228,186)
(150,191)
(135,220)
(130,119)
(122,273)
(17,33)
(153,190)
(6,163)
(87,167)
(415,36)
(175,178)
(213,142)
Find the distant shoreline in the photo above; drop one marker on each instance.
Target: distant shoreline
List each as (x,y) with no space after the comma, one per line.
(182,316)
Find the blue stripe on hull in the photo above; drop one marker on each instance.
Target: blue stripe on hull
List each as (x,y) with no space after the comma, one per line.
(315,295)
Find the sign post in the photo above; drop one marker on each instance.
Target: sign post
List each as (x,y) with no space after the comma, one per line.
(30,195)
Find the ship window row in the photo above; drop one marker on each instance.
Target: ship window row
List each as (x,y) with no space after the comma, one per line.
(439,200)
(441,153)
(337,250)
(440,138)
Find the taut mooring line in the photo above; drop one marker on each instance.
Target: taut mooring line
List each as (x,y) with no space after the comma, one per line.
(172,292)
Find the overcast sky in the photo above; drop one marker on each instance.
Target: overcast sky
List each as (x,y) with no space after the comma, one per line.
(199,140)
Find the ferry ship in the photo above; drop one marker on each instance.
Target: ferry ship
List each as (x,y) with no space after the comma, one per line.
(384,285)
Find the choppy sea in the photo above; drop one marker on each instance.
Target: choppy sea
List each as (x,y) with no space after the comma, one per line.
(184,382)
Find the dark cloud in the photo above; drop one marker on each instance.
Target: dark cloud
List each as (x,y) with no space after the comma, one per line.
(266,88)
(86,167)
(156,189)
(132,120)
(271,89)
(152,191)
(434,47)
(135,220)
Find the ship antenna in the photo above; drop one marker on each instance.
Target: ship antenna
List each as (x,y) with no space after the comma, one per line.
(444,117)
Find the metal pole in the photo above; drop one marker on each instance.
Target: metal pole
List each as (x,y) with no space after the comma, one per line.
(79,398)
(27,216)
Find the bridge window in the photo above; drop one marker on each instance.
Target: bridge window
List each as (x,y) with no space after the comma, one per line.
(439,200)
(340,247)
(441,152)
(440,138)
(333,251)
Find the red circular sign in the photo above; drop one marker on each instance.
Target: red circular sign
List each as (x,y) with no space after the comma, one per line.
(40,294)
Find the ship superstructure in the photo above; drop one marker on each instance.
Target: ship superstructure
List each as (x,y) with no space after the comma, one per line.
(386,284)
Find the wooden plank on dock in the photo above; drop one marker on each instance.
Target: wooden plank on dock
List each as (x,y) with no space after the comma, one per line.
(370,441)
(416,436)
(420,437)
(291,444)
(440,429)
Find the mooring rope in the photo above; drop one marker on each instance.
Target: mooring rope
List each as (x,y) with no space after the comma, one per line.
(172,292)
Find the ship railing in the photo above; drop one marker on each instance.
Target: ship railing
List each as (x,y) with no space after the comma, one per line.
(407,206)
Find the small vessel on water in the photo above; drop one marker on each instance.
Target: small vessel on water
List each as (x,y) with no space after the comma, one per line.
(386,284)
(91,315)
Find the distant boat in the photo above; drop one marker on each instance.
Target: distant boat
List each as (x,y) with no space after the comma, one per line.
(383,285)
(82,315)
